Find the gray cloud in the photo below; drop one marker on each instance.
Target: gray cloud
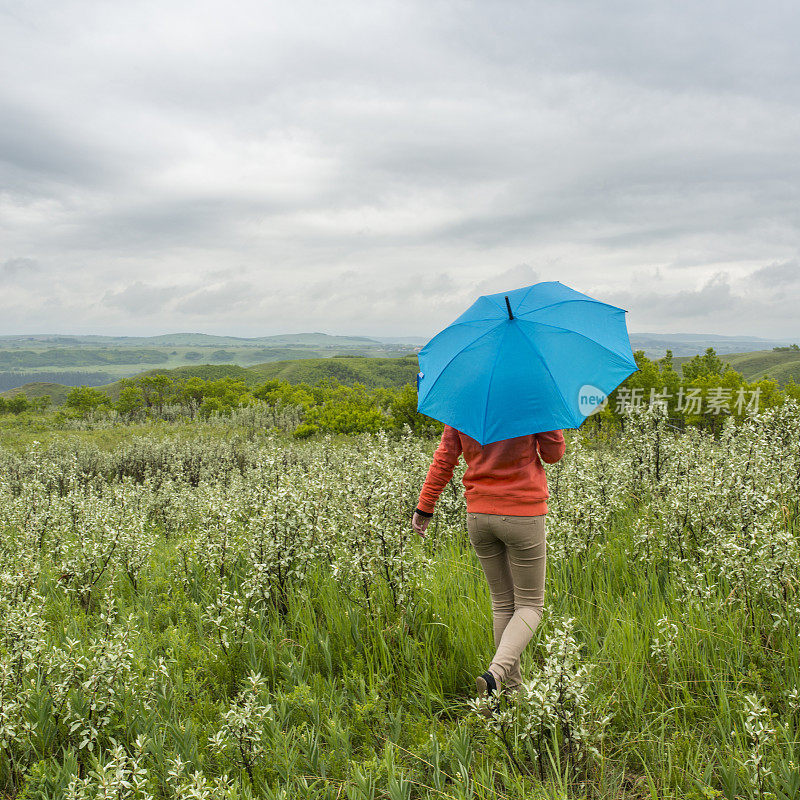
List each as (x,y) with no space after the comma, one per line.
(138,298)
(40,156)
(684,304)
(19,266)
(767,293)
(779,275)
(521,275)
(371,168)
(220,300)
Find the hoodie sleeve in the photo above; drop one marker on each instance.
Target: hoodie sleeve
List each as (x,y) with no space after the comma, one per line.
(441,469)
(551,446)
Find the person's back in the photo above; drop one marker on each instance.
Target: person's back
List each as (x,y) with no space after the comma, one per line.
(505,477)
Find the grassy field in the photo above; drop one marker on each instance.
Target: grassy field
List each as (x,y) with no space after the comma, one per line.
(780,365)
(213,610)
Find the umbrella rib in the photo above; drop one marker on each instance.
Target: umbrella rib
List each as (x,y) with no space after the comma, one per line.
(468,322)
(489,382)
(552,378)
(575,333)
(525,296)
(574,300)
(461,350)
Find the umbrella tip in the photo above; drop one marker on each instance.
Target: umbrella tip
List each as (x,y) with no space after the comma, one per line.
(508,306)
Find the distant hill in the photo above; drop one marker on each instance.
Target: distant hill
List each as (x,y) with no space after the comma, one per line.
(389,372)
(208,372)
(98,360)
(57,391)
(34,361)
(655,345)
(192,340)
(372,372)
(415,340)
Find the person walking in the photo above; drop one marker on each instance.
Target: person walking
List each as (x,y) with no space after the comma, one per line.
(506,493)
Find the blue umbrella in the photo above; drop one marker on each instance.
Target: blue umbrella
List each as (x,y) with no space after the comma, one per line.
(534,359)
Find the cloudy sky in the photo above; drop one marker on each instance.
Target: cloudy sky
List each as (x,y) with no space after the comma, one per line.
(371,167)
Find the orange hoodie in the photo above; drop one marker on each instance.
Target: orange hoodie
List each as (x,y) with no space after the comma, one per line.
(505,477)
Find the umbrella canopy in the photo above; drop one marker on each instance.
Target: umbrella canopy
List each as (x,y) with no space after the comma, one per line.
(534,359)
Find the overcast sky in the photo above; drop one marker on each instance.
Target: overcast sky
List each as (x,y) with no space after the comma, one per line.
(371,167)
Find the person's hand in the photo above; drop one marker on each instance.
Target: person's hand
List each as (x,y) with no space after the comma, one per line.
(420,523)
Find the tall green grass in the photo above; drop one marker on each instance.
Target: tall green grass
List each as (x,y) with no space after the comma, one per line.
(379,700)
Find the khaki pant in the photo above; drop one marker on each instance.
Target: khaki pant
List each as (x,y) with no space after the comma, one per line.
(513,553)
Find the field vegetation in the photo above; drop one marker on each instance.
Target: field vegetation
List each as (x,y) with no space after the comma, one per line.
(210,589)
(209,606)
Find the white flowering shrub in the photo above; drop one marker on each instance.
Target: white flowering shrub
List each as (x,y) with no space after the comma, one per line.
(162,600)
(760,735)
(587,490)
(664,642)
(557,714)
(117,774)
(246,726)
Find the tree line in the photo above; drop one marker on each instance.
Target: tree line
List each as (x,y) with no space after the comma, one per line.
(703,394)
(80,357)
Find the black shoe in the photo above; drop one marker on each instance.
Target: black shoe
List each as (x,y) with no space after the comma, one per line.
(486,684)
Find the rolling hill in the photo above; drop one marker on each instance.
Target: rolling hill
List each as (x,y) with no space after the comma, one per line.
(98,360)
(185,340)
(372,372)
(57,391)
(781,365)
(655,345)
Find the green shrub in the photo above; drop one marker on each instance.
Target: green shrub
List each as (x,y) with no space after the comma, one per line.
(304,431)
